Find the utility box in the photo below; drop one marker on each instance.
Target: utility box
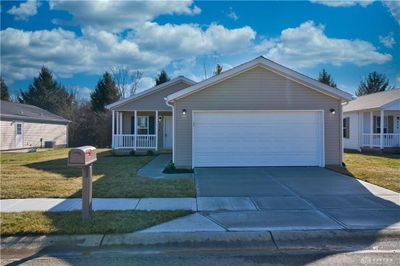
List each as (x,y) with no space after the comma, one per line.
(82,156)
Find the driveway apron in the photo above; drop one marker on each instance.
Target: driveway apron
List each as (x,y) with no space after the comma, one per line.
(293,198)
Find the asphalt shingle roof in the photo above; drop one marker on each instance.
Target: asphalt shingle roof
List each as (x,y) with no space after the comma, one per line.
(26,112)
(372,101)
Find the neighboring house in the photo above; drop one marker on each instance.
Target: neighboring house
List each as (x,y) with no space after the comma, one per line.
(27,126)
(365,117)
(256,114)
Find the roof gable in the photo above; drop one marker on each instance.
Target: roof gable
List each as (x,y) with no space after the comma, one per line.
(150,91)
(373,101)
(269,65)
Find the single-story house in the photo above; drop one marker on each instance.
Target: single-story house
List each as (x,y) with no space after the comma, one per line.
(27,126)
(372,121)
(259,113)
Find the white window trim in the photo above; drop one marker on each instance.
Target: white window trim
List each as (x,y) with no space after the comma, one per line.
(347,128)
(139,127)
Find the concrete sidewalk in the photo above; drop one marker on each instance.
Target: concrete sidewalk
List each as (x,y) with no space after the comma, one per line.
(104,204)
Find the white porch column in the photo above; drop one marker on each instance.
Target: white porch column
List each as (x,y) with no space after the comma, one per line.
(371,129)
(382,127)
(156,121)
(135,128)
(113,128)
(120,123)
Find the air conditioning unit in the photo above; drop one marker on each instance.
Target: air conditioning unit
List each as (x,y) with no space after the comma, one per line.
(49,144)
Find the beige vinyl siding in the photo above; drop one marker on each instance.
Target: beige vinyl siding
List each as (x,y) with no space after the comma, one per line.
(32,133)
(154,101)
(256,89)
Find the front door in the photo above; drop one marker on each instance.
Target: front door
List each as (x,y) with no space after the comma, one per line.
(19,135)
(168,132)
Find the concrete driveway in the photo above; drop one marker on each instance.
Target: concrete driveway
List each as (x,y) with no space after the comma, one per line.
(293,198)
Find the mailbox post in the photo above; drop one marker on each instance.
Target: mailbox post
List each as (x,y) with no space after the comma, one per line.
(84,157)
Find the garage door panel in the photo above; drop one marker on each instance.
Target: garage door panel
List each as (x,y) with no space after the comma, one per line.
(262,138)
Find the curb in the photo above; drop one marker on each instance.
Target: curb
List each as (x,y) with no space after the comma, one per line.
(274,240)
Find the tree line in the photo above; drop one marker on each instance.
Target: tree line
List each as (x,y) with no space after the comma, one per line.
(372,83)
(90,120)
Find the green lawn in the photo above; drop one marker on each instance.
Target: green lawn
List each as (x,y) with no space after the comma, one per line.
(103,222)
(379,169)
(45,174)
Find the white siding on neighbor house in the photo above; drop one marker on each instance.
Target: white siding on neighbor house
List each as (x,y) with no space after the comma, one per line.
(257,89)
(32,132)
(353,142)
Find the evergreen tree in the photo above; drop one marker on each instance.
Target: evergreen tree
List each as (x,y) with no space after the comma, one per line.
(218,69)
(162,77)
(46,93)
(374,82)
(106,92)
(5,96)
(326,78)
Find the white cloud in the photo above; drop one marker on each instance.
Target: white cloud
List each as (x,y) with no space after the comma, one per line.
(343,3)
(232,14)
(24,52)
(308,46)
(265,44)
(82,93)
(189,40)
(392,5)
(394,9)
(116,16)
(150,48)
(388,41)
(24,10)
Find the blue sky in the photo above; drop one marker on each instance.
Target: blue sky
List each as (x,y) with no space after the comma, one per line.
(79,40)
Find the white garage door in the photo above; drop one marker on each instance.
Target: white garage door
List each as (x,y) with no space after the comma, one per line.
(257,138)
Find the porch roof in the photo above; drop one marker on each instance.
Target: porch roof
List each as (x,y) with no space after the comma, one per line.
(150,91)
(377,100)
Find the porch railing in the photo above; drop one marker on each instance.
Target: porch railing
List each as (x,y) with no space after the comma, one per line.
(135,141)
(389,140)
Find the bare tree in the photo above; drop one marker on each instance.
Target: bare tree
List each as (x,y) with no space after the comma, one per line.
(136,82)
(127,80)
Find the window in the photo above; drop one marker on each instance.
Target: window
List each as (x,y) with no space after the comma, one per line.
(377,121)
(19,129)
(143,125)
(346,127)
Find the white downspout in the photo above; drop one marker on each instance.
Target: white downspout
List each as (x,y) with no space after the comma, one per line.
(173,128)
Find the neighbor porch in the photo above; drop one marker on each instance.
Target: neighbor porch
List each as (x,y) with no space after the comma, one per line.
(142,130)
(380,129)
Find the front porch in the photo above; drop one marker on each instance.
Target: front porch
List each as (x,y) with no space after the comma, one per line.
(142,130)
(380,129)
